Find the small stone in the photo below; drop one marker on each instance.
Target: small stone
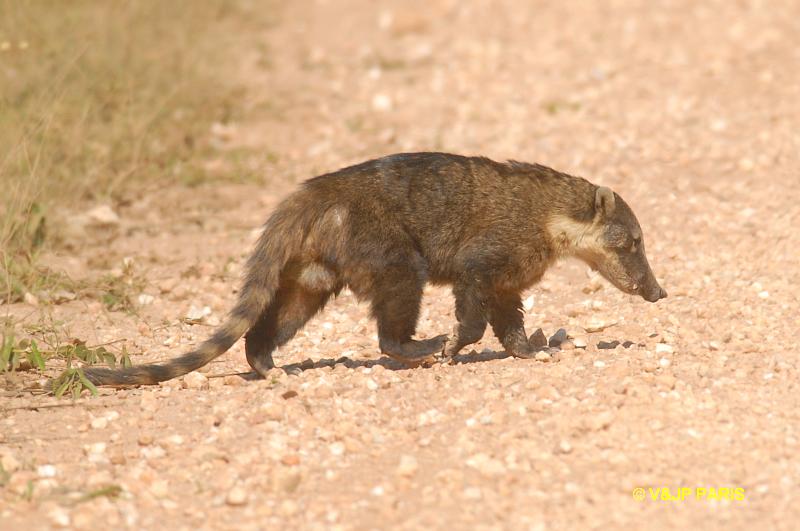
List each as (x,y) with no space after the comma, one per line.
(145,439)
(336,448)
(286,479)
(166,286)
(30,298)
(528,303)
(237,496)
(746,164)
(473,493)
(542,356)
(559,337)
(289,508)
(197,314)
(102,216)
(175,440)
(564,446)
(486,465)
(600,421)
(195,380)
(152,452)
(372,385)
(159,488)
(148,402)
(408,466)
(666,380)
(59,516)
(382,102)
(272,411)
(598,364)
(144,299)
(608,345)
(537,339)
(99,423)
(9,462)
(46,471)
(233,381)
(650,366)
(97,448)
(432,416)
(580,342)
(290,459)
(663,348)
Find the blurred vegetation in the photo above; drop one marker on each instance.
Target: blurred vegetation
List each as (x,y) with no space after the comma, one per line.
(28,355)
(101,98)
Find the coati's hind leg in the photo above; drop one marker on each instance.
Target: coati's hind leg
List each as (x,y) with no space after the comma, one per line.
(397,293)
(302,293)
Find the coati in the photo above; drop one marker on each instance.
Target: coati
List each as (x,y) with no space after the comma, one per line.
(385,227)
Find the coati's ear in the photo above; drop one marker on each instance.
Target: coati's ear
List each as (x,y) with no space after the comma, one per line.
(603,202)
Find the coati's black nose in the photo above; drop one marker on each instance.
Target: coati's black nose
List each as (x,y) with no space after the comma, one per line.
(656,294)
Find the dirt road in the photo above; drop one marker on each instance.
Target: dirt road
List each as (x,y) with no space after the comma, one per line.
(688,109)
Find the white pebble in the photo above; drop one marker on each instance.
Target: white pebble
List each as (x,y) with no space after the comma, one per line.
(46,471)
(408,466)
(195,380)
(336,448)
(663,348)
(382,102)
(236,496)
(528,303)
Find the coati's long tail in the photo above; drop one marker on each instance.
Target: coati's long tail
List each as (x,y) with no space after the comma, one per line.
(281,239)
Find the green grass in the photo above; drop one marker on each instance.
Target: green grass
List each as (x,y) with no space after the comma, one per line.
(102,99)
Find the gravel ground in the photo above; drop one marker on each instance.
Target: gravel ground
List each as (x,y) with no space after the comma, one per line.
(688,109)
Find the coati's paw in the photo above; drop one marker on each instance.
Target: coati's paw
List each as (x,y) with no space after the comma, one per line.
(449,349)
(534,347)
(260,363)
(415,353)
(538,354)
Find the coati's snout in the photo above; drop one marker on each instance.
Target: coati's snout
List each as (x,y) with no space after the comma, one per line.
(621,258)
(610,241)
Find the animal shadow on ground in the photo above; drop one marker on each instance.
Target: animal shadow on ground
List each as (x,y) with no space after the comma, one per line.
(392,365)
(384,361)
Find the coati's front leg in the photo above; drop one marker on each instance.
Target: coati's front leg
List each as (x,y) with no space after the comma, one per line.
(471,315)
(506,318)
(396,298)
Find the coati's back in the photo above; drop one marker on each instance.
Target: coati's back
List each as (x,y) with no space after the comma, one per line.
(444,201)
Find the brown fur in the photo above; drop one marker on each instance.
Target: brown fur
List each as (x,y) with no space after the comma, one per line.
(385,227)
